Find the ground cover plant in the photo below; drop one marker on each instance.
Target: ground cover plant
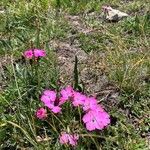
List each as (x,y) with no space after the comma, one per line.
(70,79)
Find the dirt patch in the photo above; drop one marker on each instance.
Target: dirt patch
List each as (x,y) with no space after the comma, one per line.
(66,55)
(77,24)
(92,68)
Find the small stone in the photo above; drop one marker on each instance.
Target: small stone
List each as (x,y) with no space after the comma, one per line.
(113,14)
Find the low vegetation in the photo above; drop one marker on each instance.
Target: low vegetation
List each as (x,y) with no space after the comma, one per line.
(105,61)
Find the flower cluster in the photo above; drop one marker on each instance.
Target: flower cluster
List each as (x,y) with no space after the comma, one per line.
(34,53)
(94,118)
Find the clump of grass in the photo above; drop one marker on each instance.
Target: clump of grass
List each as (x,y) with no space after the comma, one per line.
(138,25)
(22,24)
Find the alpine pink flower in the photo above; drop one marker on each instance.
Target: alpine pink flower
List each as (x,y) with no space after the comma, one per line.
(41,113)
(56,109)
(90,104)
(49,99)
(73,139)
(50,94)
(39,53)
(69,139)
(78,99)
(64,138)
(96,120)
(28,54)
(66,93)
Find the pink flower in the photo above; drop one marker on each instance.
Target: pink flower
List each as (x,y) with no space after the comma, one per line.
(50,94)
(39,53)
(64,138)
(49,99)
(29,54)
(96,120)
(69,139)
(78,99)
(73,139)
(41,113)
(90,104)
(66,93)
(56,109)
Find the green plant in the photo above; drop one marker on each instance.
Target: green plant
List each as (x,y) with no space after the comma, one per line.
(124,50)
